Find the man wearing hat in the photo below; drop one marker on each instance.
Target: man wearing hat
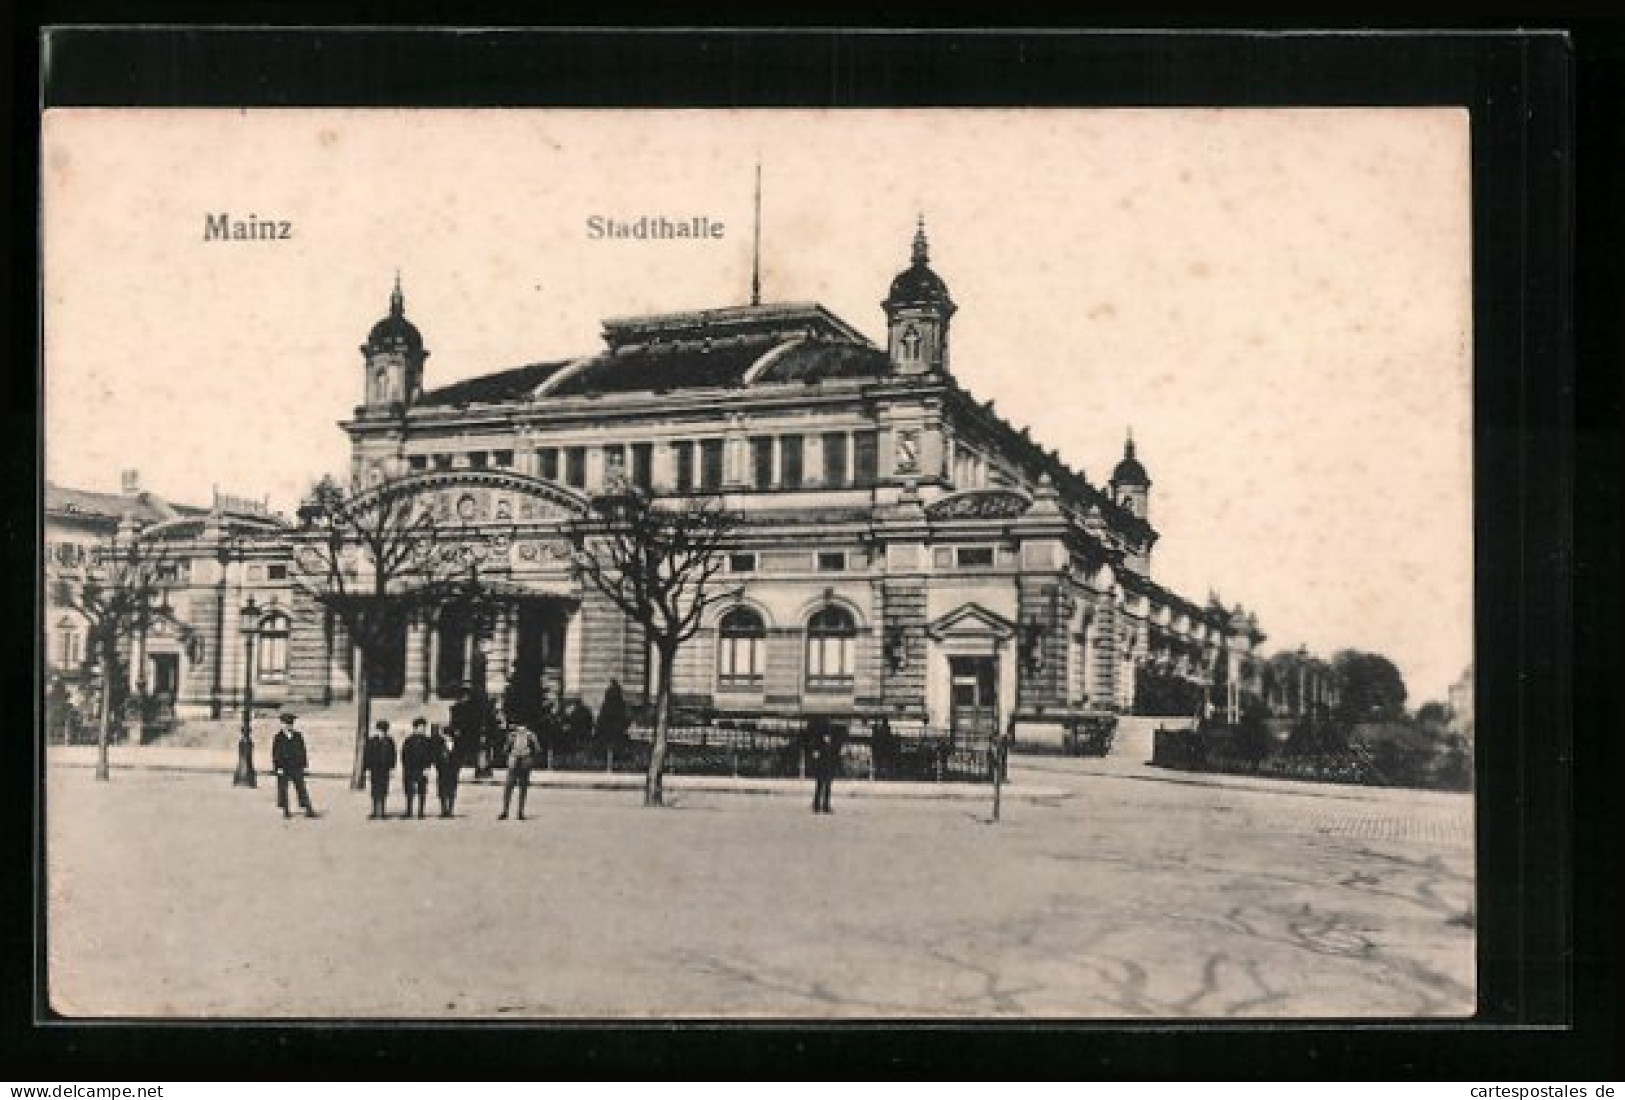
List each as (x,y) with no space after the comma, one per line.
(378,761)
(416,755)
(290,762)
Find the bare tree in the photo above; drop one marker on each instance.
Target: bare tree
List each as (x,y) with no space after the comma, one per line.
(658,563)
(119,590)
(369,559)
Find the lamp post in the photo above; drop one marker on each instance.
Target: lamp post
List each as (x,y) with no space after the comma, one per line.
(245,776)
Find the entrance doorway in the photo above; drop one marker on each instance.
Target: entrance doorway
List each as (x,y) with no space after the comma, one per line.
(538,658)
(458,654)
(166,674)
(973,694)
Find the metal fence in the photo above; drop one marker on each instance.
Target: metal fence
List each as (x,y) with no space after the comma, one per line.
(779,748)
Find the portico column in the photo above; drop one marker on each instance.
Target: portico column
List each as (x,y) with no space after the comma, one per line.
(572,653)
(496,672)
(416,681)
(431,675)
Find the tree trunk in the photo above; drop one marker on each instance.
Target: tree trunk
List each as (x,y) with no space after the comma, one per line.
(653,792)
(363,717)
(104,731)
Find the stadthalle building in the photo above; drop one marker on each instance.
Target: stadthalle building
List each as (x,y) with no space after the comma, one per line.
(901,549)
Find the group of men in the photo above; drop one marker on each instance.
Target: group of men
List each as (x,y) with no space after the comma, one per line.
(422,751)
(439,750)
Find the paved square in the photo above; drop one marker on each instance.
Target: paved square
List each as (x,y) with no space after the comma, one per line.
(1132,894)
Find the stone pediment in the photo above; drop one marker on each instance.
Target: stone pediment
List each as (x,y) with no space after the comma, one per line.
(979,504)
(477,498)
(971,620)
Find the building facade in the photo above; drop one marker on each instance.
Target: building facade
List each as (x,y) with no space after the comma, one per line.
(901,548)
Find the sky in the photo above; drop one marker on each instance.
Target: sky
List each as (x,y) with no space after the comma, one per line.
(1278,302)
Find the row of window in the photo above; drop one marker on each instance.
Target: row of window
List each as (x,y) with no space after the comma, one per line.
(271,654)
(836,561)
(776,462)
(742,640)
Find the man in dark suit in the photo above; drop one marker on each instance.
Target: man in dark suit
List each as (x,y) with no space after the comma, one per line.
(416,756)
(290,762)
(378,760)
(825,759)
(447,762)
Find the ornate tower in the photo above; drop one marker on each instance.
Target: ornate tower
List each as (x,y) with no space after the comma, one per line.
(394,357)
(1131,487)
(917,313)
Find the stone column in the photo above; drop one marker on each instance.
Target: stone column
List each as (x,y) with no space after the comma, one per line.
(431,672)
(572,653)
(416,680)
(501,656)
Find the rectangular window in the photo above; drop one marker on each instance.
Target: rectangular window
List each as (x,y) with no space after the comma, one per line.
(835,459)
(575,467)
(829,662)
(67,647)
(643,465)
(276,572)
(547,462)
(711,464)
(741,563)
(503,460)
(790,461)
(761,461)
(831,561)
(614,463)
(683,457)
(865,464)
(739,660)
(478,459)
(167,571)
(442,462)
(273,657)
(418,463)
(975,557)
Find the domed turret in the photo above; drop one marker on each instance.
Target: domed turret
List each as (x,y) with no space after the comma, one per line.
(917,312)
(1131,485)
(394,358)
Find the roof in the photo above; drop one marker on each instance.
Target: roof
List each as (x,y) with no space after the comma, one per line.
(111,507)
(705,349)
(147,508)
(515,384)
(1129,471)
(395,330)
(917,284)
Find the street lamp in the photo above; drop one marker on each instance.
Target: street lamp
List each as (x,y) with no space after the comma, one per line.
(244,776)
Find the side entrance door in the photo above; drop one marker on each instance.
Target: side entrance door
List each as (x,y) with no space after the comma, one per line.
(974,694)
(166,674)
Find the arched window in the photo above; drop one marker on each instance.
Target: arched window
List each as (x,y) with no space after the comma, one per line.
(273,648)
(70,650)
(741,636)
(829,650)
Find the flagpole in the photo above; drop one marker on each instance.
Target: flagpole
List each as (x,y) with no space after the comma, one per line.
(756,245)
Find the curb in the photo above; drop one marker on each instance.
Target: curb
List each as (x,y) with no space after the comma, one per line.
(589,781)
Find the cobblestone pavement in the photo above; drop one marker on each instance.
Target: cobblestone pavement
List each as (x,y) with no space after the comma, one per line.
(1121,895)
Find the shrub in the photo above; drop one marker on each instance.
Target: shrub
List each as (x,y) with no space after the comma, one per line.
(1311,738)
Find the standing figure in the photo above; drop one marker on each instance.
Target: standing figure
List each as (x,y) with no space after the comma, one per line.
(579,724)
(613,718)
(378,760)
(290,762)
(522,750)
(416,756)
(468,731)
(444,753)
(826,763)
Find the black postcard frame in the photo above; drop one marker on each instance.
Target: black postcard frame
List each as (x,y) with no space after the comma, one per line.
(1536,979)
